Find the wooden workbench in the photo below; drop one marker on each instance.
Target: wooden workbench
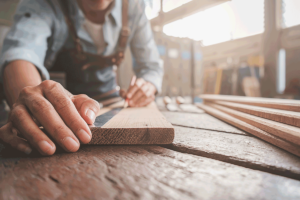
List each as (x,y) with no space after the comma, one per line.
(209,159)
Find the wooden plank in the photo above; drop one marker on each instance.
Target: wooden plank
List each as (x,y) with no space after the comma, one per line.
(250,152)
(202,121)
(283,116)
(282,104)
(139,172)
(145,125)
(249,124)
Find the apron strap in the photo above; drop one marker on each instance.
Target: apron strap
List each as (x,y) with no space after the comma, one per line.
(115,59)
(66,11)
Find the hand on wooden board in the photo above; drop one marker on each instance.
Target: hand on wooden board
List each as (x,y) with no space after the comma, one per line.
(139,94)
(64,116)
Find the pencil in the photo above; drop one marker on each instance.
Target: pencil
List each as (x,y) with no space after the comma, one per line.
(132,82)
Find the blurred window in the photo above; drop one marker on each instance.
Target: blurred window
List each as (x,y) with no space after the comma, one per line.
(228,21)
(169,5)
(152,8)
(291,13)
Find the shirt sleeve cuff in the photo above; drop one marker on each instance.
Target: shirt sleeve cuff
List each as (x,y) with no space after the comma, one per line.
(155,80)
(23,54)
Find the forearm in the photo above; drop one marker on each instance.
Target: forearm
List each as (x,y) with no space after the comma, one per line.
(17,75)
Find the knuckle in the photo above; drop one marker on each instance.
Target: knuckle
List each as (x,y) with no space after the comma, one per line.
(83,96)
(39,105)
(58,130)
(49,84)
(26,91)
(62,103)
(18,112)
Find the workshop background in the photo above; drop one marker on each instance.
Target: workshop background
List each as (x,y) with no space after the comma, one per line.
(237,47)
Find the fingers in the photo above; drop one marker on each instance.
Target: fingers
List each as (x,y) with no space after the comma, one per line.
(123,93)
(24,123)
(72,122)
(143,96)
(133,89)
(146,102)
(138,95)
(87,107)
(9,137)
(45,112)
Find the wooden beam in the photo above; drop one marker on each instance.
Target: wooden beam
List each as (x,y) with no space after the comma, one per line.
(271,47)
(184,11)
(234,119)
(5,22)
(282,104)
(144,125)
(283,116)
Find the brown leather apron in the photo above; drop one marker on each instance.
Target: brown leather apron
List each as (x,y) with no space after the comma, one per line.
(83,69)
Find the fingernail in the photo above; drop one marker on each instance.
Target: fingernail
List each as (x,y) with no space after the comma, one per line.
(84,136)
(90,114)
(45,146)
(24,148)
(70,144)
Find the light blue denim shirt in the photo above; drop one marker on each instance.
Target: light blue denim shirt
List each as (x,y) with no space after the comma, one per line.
(39,32)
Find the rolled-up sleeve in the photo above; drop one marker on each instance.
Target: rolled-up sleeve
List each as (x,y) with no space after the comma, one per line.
(147,63)
(27,38)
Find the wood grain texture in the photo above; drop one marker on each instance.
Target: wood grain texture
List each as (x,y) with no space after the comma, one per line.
(145,125)
(103,110)
(235,120)
(282,104)
(284,131)
(283,116)
(250,152)
(202,121)
(97,172)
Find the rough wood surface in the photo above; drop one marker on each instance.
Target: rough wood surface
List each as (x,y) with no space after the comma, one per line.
(284,131)
(252,129)
(202,121)
(145,125)
(283,116)
(136,173)
(191,108)
(250,152)
(282,104)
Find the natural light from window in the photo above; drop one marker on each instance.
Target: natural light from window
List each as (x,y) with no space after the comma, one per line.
(291,13)
(230,20)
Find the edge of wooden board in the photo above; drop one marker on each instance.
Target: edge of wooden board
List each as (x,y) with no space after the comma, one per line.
(109,134)
(282,104)
(132,135)
(283,116)
(292,148)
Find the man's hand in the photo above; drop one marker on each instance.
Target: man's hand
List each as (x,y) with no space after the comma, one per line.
(141,93)
(64,117)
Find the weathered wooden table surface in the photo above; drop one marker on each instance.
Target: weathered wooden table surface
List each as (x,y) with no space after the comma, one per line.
(209,159)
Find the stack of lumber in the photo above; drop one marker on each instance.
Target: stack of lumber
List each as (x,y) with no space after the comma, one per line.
(276,121)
